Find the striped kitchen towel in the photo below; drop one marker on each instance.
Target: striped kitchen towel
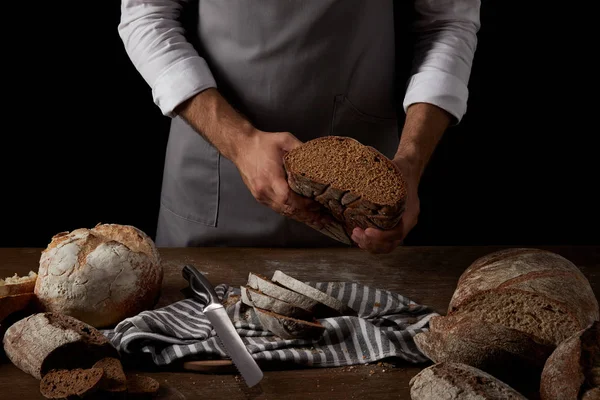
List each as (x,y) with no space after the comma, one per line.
(384,327)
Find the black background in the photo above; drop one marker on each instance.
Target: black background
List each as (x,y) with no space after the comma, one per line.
(519,170)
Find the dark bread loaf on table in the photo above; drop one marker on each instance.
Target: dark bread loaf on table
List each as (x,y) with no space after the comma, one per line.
(46,341)
(357,184)
(573,369)
(455,381)
(71,384)
(510,355)
(531,290)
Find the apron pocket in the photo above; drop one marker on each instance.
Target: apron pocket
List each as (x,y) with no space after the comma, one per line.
(190,188)
(378,132)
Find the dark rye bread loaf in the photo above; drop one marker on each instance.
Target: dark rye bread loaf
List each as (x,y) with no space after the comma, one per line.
(535,291)
(455,381)
(71,384)
(510,355)
(573,369)
(356,183)
(46,341)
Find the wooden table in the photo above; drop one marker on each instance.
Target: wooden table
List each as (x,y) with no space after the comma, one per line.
(427,275)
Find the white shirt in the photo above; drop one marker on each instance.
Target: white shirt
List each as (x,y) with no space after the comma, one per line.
(154,40)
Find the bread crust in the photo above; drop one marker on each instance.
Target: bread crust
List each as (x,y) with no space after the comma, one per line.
(101,275)
(570,370)
(40,342)
(455,381)
(530,270)
(512,356)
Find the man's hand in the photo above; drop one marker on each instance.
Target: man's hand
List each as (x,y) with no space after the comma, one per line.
(261,167)
(258,155)
(381,242)
(424,126)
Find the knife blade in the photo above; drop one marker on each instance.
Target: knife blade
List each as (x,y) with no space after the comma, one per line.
(217,315)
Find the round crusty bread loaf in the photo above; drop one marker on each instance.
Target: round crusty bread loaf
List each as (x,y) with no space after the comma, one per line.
(574,367)
(533,290)
(508,354)
(47,341)
(101,275)
(455,381)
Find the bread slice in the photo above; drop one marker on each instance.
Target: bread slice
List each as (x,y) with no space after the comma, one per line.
(546,320)
(330,306)
(114,379)
(14,303)
(455,381)
(16,285)
(267,287)
(141,387)
(289,328)
(359,186)
(574,367)
(255,298)
(71,384)
(510,355)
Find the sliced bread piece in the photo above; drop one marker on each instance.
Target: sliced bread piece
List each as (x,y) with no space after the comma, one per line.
(359,186)
(16,285)
(574,367)
(330,305)
(510,355)
(255,298)
(47,341)
(546,320)
(71,384)
(455,381)
(114,379)
(266,286)
(289,328)
(141,387)
(14,303)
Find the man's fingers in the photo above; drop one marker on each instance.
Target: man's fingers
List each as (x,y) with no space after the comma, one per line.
(292,205)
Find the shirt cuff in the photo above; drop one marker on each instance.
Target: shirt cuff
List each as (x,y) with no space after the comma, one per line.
(180,82)
(440,89)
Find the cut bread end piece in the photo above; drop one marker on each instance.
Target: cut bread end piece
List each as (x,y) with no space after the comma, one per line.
(548,321)
(269,288)
(141,387)
(255,298)
(329,306)
(289,328)
(114,379)
(71,383)
(16,285)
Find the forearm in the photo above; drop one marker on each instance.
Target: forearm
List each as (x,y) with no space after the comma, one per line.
(209,114)
(424,126)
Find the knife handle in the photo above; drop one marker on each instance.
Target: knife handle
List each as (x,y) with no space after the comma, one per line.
(201,287)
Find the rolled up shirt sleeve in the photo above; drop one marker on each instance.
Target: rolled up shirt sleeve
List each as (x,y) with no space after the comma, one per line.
(445,47)
(154,40)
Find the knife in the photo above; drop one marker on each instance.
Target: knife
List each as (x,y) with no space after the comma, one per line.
(216,314)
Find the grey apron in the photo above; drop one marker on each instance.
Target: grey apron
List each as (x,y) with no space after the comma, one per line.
(312,68)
